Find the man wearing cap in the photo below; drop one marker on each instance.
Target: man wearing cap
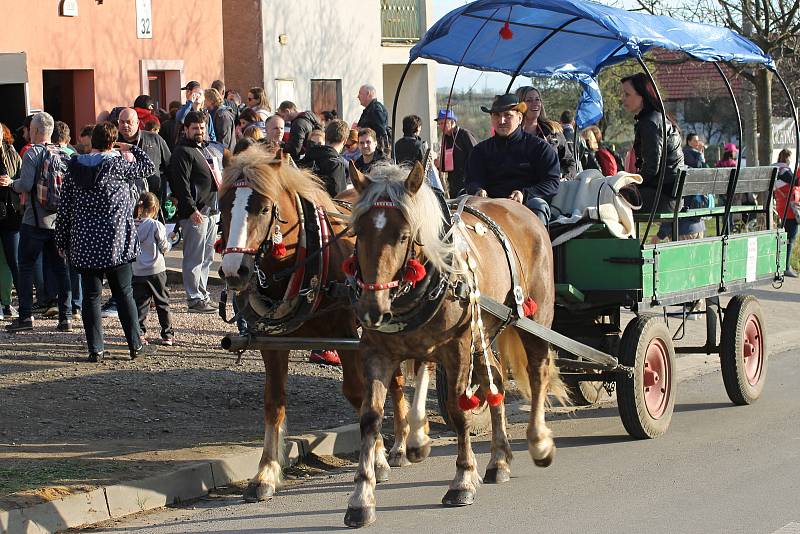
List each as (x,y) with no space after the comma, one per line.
(513,163)
(194,102)
(456,146)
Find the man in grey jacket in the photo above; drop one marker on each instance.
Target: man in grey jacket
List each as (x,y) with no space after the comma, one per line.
(152,144)
(37,232)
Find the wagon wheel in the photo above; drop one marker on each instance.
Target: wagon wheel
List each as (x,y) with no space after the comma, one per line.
(586,393)
(479,419)
(742,353)
(646,400)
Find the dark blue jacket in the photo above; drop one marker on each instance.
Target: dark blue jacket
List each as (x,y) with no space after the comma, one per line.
(520,162)
(95,224)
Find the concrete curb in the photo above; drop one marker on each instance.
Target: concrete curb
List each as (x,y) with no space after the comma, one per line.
(190,482)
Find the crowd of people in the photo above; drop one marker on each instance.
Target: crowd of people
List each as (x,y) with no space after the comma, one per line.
(75,215)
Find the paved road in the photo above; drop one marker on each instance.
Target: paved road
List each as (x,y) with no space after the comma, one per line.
(719,469)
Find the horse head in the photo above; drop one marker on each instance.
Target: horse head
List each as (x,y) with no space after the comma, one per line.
(250,213)
(396,218)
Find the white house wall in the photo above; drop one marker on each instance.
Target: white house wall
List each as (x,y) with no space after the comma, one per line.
(339,40)
(326,40)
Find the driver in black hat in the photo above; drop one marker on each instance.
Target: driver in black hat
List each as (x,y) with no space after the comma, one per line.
(514,164)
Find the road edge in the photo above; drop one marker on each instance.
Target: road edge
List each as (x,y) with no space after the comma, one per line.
(189,482)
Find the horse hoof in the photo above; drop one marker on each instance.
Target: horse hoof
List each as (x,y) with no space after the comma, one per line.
(359,517)
(382,473)
(417,454)
(547,460)
(496,476)
(258,491)
(398,459)
(458,497)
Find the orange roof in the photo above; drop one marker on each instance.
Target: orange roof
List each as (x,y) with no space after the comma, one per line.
(692,79)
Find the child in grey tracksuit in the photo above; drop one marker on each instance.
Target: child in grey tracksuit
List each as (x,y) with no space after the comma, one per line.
(149,269)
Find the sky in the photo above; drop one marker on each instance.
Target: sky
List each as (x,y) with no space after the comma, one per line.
(468,78)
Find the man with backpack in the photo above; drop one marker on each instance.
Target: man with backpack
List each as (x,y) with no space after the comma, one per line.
(40,179)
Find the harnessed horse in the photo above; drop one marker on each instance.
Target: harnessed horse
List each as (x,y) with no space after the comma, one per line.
(280,243)
(418,277)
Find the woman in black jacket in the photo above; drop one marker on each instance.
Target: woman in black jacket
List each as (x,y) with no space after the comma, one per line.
(537,123)
(10,163)
(639,97)
(95,231)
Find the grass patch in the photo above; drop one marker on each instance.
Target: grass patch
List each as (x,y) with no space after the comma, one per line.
(26,475)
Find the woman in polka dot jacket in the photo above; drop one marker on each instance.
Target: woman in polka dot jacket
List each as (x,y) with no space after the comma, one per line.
(96,232)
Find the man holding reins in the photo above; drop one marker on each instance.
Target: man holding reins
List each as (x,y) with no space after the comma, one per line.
(514,164)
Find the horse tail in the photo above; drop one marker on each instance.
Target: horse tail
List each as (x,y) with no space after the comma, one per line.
(514,356)
(557,389)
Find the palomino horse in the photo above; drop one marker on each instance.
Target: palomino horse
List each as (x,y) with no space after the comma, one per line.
(268,210)
(401,226)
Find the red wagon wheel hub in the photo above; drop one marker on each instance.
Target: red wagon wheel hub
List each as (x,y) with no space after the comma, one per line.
(656,378)
(753,350)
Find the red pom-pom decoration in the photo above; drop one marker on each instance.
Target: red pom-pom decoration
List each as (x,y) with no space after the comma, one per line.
(414,272)
(468,403)
(278,250)
(219,246)
(349,266)
(494,399)
(529,307)
(506,32)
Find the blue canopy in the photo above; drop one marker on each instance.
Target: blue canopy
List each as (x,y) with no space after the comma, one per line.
(572,39)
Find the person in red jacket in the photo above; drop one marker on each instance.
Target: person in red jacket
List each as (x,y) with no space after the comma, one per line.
(782,196)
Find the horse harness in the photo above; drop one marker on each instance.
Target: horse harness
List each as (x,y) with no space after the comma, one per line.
(420,301)
(307,279)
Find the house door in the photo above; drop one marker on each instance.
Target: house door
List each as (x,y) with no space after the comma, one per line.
(157,85)
(12,112)
(326,95)
(69,97)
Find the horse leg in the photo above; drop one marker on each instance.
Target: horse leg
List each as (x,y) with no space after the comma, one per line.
(263,485)
(499,469)
(361,506)
(540,441)
(419,444)
(397,456)
(465,484)
(353,389)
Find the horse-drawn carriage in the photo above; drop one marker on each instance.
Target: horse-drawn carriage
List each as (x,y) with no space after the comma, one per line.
(571,301)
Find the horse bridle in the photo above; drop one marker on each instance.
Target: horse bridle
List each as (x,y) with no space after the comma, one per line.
(397,282)
(275,216)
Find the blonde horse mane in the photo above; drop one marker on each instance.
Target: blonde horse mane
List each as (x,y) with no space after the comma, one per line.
(270,177)
(422,211)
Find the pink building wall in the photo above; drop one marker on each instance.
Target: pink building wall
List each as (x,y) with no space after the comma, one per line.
(102,38)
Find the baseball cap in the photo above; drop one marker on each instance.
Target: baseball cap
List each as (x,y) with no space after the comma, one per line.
(446,114)
(190,86)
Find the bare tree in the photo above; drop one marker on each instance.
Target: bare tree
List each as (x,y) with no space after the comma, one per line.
(773,25)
